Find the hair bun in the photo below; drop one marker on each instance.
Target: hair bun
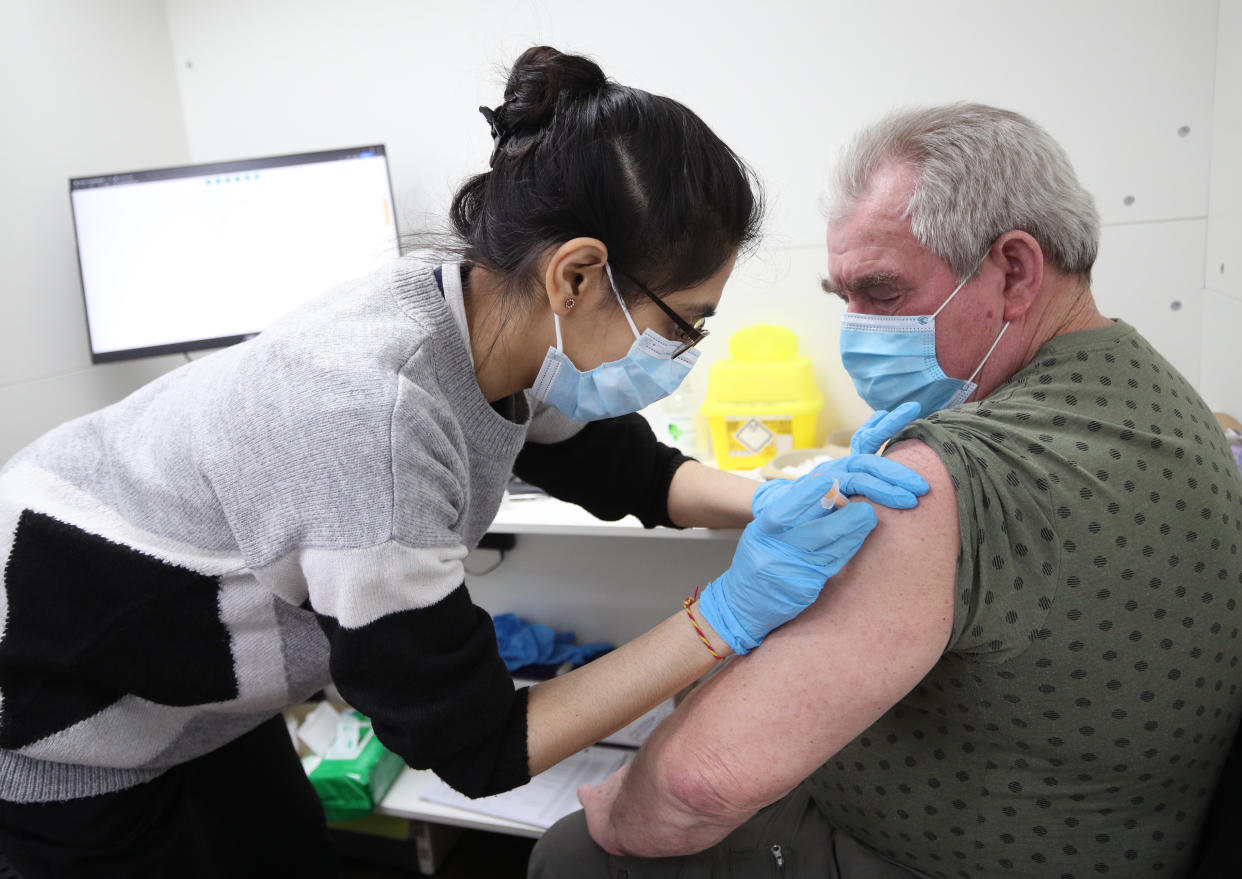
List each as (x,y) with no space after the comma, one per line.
(540,78)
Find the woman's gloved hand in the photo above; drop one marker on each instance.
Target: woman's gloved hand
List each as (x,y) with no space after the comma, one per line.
(862,472)
(782,561)
(795,544)
(881,426)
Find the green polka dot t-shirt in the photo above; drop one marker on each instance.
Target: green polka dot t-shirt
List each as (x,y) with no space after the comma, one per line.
(1089,693)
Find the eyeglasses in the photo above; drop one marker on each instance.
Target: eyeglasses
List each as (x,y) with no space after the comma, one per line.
(690,334)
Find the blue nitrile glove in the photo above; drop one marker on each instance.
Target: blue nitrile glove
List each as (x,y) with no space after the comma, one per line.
(782,561)
(862,472)
(524,643)
(881,426)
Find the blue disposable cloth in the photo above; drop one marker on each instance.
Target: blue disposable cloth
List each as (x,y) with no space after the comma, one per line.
(524,643)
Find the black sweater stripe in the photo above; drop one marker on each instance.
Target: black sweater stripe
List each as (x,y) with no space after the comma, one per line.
(437,692)
(612,468)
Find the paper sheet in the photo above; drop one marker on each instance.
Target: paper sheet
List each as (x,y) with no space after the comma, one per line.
(549,796)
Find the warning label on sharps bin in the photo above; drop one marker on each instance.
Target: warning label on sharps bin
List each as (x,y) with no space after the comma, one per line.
(754,436)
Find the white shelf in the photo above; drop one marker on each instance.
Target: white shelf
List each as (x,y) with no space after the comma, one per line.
(547,515)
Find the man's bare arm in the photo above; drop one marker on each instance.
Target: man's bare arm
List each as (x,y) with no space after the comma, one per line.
(751,733)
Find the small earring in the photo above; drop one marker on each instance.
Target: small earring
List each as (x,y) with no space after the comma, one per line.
(569,303)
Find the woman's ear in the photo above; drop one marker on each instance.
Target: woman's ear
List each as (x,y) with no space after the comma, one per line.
(1022,260)
(574,276)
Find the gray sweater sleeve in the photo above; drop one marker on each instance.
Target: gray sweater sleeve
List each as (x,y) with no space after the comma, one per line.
(396,477)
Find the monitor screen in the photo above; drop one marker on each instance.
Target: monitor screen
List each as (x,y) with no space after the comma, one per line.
(201,256)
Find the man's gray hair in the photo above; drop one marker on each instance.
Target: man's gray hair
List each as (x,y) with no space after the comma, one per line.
(982,172)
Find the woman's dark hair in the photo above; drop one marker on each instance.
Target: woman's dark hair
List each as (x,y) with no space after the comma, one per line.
(578,155)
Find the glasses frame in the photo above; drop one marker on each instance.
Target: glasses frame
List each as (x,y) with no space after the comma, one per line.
(693,334)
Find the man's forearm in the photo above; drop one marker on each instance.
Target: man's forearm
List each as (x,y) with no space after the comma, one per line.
(653,808)
(703,497)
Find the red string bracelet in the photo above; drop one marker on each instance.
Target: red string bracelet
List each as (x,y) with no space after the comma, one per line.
(708,644)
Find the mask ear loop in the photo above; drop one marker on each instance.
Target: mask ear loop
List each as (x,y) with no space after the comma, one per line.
(556,322)
(984,361)
(958,288)
(979,368)
(624,310)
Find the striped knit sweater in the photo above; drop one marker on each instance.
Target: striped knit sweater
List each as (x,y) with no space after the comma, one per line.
(287,512)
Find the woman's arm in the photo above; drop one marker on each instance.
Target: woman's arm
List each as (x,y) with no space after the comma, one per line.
(578,709)
(611,468)
(617,467)
(703,497)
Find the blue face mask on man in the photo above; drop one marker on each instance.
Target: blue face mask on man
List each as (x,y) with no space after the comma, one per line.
(648,373)
(892,359)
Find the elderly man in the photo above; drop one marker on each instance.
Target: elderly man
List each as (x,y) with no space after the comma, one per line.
(1034,672)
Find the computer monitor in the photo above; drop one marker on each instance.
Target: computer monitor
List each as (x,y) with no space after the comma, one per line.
(202,256)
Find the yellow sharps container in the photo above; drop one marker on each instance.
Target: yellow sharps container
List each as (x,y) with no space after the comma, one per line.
(762,400)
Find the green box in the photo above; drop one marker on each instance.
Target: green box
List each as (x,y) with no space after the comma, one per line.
(355,772)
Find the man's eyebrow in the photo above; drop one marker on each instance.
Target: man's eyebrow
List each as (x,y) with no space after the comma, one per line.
(862,283)
(826,284)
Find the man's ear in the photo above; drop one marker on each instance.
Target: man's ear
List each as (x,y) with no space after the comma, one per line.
(574,273)
(1022,260)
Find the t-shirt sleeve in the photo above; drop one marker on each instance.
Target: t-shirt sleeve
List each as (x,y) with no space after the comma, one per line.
(1009,550)
(613,468)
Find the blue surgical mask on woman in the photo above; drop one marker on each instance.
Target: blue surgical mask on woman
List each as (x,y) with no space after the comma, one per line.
(648,373)
(892,359)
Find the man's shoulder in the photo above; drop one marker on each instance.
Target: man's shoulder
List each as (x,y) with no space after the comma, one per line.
(934,523)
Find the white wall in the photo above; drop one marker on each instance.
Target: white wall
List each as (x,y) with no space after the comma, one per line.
(1136,90)
(784,83)
(1126,86)
(1221,379)
(85,88)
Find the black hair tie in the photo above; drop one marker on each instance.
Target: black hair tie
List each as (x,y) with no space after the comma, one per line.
(500,132)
